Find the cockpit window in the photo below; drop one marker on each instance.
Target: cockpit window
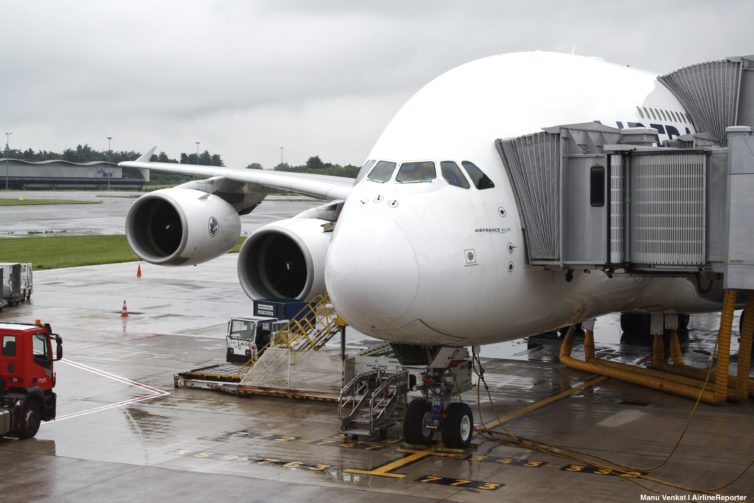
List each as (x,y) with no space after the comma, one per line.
(411,172)
(478,178)
(382,172)
(365,169)
(453,175)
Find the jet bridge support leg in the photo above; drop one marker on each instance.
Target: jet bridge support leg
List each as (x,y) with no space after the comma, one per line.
(740,386)
(710,385)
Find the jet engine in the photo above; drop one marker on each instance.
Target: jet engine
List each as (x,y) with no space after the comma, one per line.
(181,226)
(285,259)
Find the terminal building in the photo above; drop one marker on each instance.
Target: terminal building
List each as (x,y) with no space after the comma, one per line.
(59,174)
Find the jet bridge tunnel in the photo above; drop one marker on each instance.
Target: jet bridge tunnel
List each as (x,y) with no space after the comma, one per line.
(600,198)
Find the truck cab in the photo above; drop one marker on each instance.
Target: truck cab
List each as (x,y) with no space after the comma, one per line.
(248,337)
(27,377)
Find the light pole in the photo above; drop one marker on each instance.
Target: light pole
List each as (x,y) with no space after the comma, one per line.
(109,163)
(7,153)
(281,154)
(197,152)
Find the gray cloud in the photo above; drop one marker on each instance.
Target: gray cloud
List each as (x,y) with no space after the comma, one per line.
(323,77)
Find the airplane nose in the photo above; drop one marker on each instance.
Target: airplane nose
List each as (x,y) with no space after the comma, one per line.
(371,273)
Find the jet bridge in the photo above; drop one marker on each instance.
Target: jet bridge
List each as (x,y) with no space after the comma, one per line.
(596,197)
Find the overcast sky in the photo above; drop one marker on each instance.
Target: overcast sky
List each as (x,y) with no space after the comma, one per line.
(317,77)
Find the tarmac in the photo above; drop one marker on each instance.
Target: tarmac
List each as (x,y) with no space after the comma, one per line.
(108,214)
(123,433)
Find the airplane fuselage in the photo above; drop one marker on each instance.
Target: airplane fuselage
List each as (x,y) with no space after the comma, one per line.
(432,262)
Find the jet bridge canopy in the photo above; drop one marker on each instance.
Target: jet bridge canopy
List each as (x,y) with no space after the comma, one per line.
(717,94)
(540,167)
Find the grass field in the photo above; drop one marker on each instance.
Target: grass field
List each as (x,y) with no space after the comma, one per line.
(238,245)
(70,251)
(66,251)
(6,201)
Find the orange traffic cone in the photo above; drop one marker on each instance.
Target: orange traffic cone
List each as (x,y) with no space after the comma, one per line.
(138,271)
(124,311)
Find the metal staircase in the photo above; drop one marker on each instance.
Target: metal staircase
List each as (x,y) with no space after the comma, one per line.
(372,402)
(311,329)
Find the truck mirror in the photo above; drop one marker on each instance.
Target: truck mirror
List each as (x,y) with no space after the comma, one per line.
(59,347)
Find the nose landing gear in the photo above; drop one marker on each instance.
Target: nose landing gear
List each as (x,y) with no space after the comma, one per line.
(447,375)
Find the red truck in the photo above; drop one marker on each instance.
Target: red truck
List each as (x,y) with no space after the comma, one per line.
(27,377)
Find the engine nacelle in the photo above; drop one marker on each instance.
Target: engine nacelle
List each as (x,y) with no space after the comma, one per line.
(181,226)
(285,260)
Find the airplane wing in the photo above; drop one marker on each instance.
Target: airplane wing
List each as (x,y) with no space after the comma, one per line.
(321,186)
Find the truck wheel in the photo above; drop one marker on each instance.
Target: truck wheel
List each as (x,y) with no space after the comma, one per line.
(458,426)
(416,424)
(32,419)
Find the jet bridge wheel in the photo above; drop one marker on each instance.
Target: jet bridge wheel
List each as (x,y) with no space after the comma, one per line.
(417,424)
(458,426)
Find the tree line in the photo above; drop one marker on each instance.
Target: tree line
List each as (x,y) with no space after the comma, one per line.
(314,165)
(85,153)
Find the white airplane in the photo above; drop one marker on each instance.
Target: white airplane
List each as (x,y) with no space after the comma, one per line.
(427,248)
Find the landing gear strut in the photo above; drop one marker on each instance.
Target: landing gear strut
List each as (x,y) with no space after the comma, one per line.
(448,374)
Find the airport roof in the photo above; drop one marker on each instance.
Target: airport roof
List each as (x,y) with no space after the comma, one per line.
(56,161)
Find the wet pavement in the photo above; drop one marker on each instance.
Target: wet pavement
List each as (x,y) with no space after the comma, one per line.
(124,433)
(109,216)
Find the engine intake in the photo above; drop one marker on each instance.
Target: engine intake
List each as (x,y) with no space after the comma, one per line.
(181,226)
(285,260)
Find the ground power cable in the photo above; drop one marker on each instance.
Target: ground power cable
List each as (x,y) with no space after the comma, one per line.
(629,474)
(533,445)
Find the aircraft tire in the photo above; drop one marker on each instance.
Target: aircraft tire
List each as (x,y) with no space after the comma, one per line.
(415,423)
(458,427)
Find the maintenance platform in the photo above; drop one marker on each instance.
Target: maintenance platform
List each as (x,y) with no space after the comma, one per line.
(125,433)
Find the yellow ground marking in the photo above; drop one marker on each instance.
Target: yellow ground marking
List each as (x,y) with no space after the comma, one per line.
(386,469)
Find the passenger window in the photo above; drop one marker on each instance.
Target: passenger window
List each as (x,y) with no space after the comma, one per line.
(412,172)
(9,345)
(453,175)
(478,178)
(382,172)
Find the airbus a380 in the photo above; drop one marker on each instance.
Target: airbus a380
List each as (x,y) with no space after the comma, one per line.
(425,248)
